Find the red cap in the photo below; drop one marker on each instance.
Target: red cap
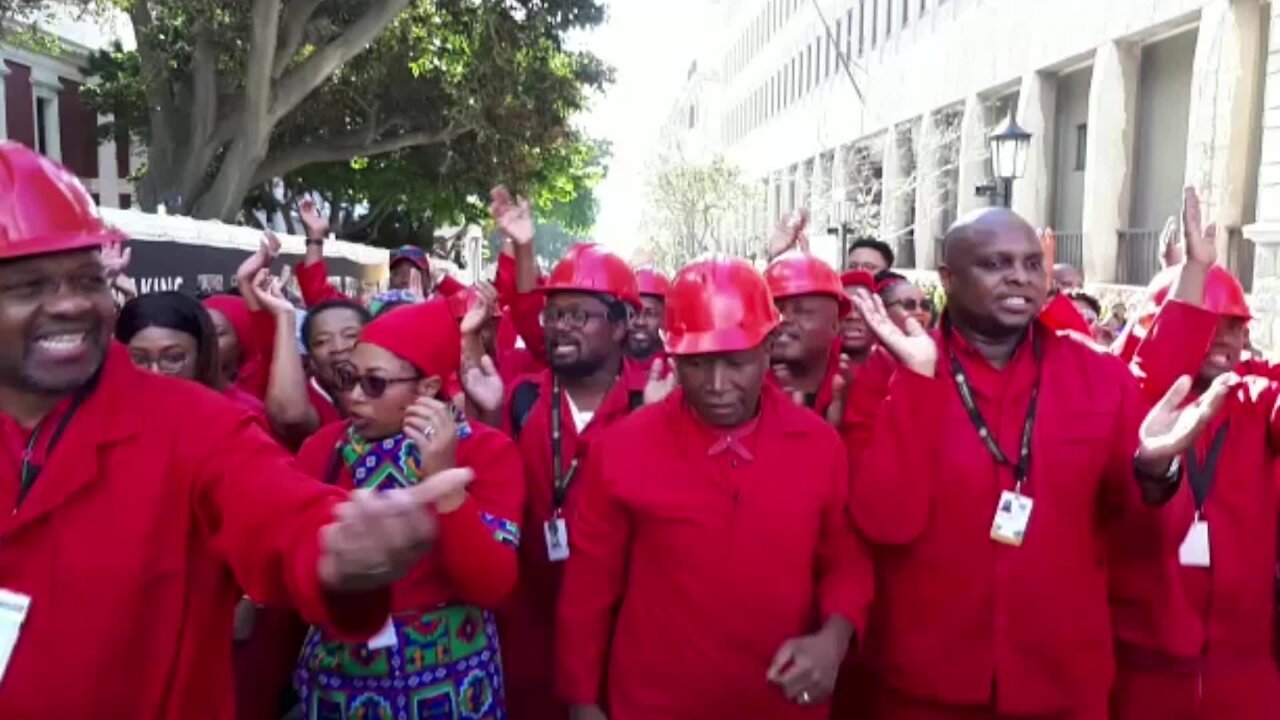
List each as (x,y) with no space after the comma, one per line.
(858,278)
(590,268)
(796,272)
(1223,293)
(412,254)
(424,334)
(236,311)
(652,282)
(44,208)
(718,305)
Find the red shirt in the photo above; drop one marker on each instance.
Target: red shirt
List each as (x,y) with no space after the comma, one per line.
(527,621)
(962,619)
(1222,615)
(695,554)
(161,501)
(472,563)
(825,395)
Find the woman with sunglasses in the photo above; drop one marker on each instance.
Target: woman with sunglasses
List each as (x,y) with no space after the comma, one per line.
(903,299)
(172,334)
(438,654)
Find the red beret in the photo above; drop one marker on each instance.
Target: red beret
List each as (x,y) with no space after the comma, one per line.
(425,335)
(858,278)
(236,311)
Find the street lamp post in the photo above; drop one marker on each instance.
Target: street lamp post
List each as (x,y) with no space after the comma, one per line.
(1009,147)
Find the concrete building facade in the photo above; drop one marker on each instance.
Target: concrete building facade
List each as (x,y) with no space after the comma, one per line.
(876,114)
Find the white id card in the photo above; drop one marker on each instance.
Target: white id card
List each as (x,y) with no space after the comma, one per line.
(386,637)
(1195,547)
(557,539)
(13,612)
(1013,513)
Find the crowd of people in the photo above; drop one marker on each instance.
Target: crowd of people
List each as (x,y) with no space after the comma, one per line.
(605,492)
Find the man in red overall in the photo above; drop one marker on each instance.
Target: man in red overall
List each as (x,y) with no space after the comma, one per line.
(806,346)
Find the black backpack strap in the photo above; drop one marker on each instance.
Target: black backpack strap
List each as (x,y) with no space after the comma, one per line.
(523,399)
(635,399)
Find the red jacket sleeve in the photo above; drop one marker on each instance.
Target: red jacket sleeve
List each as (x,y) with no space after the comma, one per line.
(1174,346)
(526,309)
(449,286)
(894,431)
(263,516)
(845,578)
(504,279)
(594,583)
(478,541)
(313,281)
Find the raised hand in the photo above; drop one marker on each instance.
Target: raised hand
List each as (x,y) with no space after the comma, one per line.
(789,233)
(429,423)
(481,310)
(316,224)
(840,385)
(269,292)
(914,348)
(512,216)
(1170,429)
(376,538)
(1198,245)
(115,259)
(482,384)
(1170,245)
(661,383)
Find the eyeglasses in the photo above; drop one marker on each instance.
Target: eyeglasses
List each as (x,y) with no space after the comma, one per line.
(570,319)
(373,386)
(913,305)
(171,363)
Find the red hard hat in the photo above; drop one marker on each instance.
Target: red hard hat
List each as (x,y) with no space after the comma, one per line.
(44,208)
(1223,293)
(718,305)
(652,282)
(796,272)
(587,267)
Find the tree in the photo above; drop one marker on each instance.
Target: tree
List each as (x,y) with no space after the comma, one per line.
(229,95)
(688,208)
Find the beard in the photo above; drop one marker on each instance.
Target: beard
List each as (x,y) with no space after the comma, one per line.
(641,349)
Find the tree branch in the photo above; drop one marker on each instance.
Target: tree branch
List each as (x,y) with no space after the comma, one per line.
(296,16)
(299,82)
(356,144)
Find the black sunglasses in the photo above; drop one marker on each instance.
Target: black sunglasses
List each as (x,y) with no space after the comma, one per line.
(373,386)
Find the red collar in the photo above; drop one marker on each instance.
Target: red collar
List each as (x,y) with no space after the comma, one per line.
(718,440)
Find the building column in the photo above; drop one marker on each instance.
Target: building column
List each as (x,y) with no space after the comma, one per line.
(928,200)
(1108,174)
(800,197)
(1224,102)
(1265,233)
(772,211)
(893,216)
(108,174)
(975,166)
(819,201)
(4,111)
(1037,111)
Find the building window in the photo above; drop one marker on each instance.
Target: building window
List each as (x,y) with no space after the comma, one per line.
(808,68)
(839,36)
(888,18)
(826,67)
(693,116)
(862,27)
(42,119)
(906,12)
(875,22)
(45,108)
(848,36)
(1082,145)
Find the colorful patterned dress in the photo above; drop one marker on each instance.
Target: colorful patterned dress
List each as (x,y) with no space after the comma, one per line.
(445,663)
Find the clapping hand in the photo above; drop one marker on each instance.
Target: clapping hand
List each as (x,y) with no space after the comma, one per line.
(1170,428)
(512,216)
(377,537)
(914,348)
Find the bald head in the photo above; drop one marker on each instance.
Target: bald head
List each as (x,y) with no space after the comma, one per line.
(1066,277)
(993,272)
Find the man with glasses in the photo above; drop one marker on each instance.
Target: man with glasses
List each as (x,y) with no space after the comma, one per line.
(587,302)
(806,345)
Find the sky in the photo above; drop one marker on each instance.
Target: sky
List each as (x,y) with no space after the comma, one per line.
(650,44)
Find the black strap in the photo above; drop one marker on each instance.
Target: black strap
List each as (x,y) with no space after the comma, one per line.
(1201,475)
(967,398)
(635,399)
(523,398)
(811,400)
(334,466)
(30,470)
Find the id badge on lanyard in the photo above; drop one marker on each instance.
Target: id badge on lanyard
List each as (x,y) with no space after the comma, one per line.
(556,531)
(1194,551)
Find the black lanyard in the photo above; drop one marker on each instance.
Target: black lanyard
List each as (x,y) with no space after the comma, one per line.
(560,477)
(30,470)
(970,403)
(1201,475)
